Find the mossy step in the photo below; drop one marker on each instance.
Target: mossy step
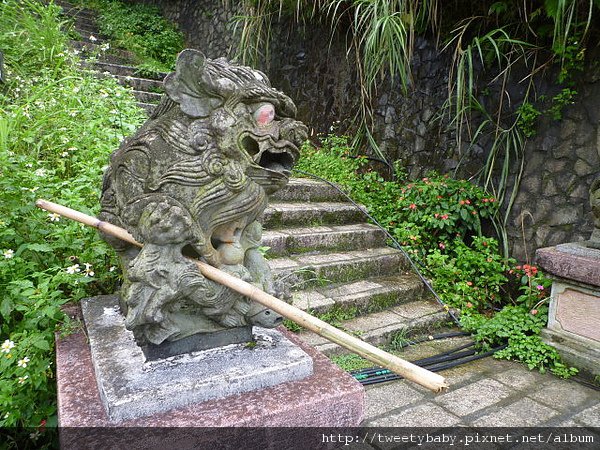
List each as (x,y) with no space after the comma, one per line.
(307,190)
(324,269)
(147,97)
(114,56)
(148,107)
(86,25)
(381,328)
(123,70)
(141,84)
(69,9)
(363,296)
(279,215)
(333,238)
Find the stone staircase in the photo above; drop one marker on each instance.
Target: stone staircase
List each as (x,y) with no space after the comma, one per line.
(339,266)
(336,264)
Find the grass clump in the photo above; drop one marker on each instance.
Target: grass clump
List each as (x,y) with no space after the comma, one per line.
(58,125)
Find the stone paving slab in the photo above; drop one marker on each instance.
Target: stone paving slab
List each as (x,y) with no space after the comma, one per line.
(487,392)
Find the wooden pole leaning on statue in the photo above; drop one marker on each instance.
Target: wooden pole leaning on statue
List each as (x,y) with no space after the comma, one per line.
(410,371)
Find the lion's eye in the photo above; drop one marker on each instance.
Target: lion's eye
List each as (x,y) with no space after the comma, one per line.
(265,114)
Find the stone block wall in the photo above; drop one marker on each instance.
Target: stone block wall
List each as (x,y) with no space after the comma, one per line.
(319,74)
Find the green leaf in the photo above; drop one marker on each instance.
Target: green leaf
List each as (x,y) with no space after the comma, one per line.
(6,307)
(41,343)
(40,247)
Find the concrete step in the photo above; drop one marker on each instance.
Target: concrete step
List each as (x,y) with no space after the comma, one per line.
(324,269)
(77,11)
(86,28)
(123,70)
(331,238)
(381,328)
(148,107)
(362,297)
(111,55)
(279,215)
(147,97)
(141,84)
(307,190)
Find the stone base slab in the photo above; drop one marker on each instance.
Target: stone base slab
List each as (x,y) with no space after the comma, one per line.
(572,261)
(328,398)
(132,386)
(575,351)
(574,313)
(575,310)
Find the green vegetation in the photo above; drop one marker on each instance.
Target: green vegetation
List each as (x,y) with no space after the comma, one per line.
(58,124)
(440,222)
(490,44)
(140,29)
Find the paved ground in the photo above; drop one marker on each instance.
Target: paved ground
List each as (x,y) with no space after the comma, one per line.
(487,392)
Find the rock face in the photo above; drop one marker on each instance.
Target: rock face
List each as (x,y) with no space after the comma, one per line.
(194,180)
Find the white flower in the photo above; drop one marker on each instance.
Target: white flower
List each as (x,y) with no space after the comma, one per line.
(111,268)
(76,89)
(105,47)
(9,253)
(54,217)
(29,165)
(23,362)
(6,415)
(35,435)
(72,149)
(22,379)
(88,270)
(72,114)
(7,345)
(92,38)
(73,269)
(64,154)
(40,172)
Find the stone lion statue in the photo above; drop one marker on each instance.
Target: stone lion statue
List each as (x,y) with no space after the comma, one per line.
(193,181)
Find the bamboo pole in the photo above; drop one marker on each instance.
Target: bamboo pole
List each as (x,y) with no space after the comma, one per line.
(410,371)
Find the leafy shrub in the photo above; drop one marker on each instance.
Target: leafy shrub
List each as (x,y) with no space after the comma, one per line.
(469,277)
(57,128)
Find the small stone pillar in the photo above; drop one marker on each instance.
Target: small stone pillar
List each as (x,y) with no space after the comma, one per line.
(574,316)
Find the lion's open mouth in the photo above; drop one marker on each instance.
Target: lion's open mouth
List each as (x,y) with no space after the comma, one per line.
(275,156)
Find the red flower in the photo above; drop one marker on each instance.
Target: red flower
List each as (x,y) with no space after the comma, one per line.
(469,283)
(444,216)
(412,206)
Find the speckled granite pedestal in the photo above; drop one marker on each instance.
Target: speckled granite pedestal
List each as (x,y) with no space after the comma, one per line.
(328,398)
(574,315)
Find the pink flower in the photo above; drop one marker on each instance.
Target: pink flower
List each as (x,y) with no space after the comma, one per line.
(442,245)
(444,216)
(413,206)
(540,287)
